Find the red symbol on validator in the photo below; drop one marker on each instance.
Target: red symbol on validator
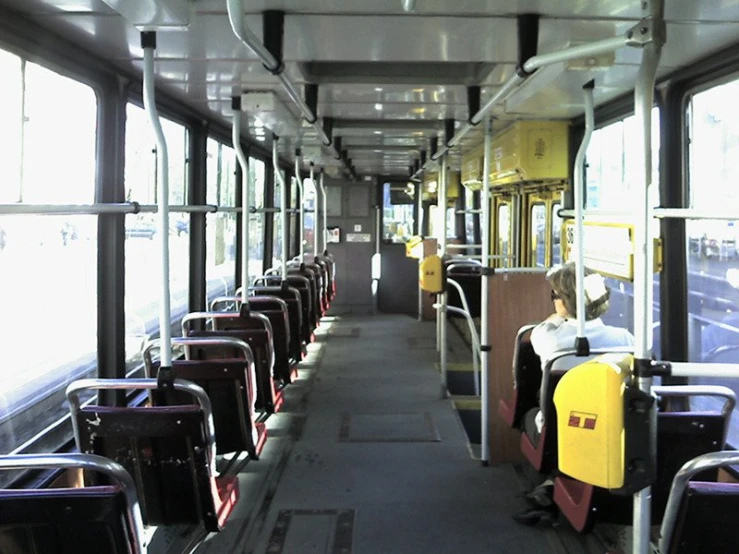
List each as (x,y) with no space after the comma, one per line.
(582,420)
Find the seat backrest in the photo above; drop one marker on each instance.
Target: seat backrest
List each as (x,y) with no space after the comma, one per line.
(280,339)
(258,340)
(86,520)
(303,286)
(165,448)
(291,297)
(527,381)
(63,521)
(707,519)
(232,391)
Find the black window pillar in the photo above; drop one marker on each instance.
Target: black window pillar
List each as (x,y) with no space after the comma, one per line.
(196,195)
(239,224)
(673,194)
(111,273)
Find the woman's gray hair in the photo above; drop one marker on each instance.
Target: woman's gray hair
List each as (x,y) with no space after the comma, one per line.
(563,279)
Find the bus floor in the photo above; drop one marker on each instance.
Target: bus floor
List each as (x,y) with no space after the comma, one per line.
(366,458)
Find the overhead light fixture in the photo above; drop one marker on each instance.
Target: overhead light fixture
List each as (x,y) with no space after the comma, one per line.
(149,15)
(378,107)
(378,89)
(378,132)
(409,5)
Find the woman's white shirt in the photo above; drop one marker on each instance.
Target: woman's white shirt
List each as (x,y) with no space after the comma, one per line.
(557,334)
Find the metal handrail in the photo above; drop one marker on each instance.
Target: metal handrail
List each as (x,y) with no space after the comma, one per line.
(695,466)
(90,462)
(75,388)
(729,396)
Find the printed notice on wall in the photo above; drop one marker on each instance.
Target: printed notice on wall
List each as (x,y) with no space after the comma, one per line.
(358,237)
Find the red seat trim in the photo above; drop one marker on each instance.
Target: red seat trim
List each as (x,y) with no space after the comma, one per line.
(534,454)
(225,495)
(575,499)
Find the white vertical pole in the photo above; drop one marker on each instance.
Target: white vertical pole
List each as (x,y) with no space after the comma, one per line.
(485,315)
(579,200)
(315,210)
(443,329)
(245,216)
(283,207)
(653,12)
(148,40)
(420,234)
(325,216)
(301,212)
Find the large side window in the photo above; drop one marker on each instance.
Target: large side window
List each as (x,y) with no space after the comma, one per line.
(220,231)
(612,168)
(142,251)
(713,262)
(310,216)
(48,157)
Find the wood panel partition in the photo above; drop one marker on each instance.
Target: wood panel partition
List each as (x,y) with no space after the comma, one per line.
(515,300)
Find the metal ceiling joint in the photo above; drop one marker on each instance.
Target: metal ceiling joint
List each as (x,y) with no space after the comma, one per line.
(270,53)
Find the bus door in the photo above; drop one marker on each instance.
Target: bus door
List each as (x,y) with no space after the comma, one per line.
(542,229)
(502,230)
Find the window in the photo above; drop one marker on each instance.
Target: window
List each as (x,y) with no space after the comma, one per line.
(220,230)
(612,167)
(397,214)
(504,235)
(256,221)
(470,203)
(538,235)
(142,250)
(310,216)
(612,164)
(556,222)
(48,157)
(713,262)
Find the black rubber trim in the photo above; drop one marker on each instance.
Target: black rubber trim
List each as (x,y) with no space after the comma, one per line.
(149,39)
(136,207)
(486,348)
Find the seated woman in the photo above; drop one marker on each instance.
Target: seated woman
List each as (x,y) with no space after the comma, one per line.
(558,332)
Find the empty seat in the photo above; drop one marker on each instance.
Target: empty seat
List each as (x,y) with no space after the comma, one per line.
(229,383)
(291,297)
(86,520)
(254,329)
(302,285)
(700,517)
(170,452)
(277,312)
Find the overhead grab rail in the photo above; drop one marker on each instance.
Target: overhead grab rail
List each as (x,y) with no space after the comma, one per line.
(244,165)
(638,36)
(148,43)
(581,341)
(484,299)
(236,10)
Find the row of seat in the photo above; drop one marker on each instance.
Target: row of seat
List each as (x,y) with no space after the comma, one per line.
(682,436)
(154,463)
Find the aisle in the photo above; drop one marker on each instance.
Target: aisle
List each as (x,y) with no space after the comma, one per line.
(378,463)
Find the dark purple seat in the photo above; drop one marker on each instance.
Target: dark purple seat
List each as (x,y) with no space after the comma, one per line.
(700,517)
(87,520)
(229,383)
